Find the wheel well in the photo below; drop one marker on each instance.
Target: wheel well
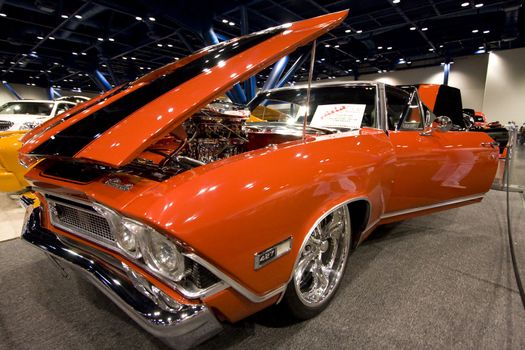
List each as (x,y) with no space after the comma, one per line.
(359,214)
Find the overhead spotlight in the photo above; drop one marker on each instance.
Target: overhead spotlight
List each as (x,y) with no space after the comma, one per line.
(359,31)
(431,49)
(100,39)
(348,31)
(75,53)
(40,37)
(465,4)
(440,46)
(152,19)
(51,38)
(380,47)
(486,31)
(2,14)
(424,29)
(138,18)
(133,58)
(83,53)
(479,5)
(124,58)
(225,21)
(64,16)
(336,46)
(170,45)
(480,51)
(475,31)
(326,45)
(481,47)
(396,1)
(159,45)
(78,16)
(413,28)
(389,48)
(231,23)
(111,39)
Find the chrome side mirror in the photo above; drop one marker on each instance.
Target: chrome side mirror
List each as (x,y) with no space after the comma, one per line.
(443,124)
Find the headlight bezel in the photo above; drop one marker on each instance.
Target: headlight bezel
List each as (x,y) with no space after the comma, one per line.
(144,238)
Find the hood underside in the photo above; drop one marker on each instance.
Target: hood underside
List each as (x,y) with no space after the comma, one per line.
(116,127)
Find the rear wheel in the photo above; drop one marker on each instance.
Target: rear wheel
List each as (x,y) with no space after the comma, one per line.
(320,266)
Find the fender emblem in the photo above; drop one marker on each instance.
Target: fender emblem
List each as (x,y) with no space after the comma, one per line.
(270,254)
(118,184)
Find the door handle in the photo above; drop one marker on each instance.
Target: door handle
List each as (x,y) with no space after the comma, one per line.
(490,144)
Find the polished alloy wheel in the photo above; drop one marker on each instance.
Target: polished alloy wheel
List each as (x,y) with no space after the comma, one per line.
(323,259)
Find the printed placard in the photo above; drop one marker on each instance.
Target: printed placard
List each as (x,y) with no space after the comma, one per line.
(339,115)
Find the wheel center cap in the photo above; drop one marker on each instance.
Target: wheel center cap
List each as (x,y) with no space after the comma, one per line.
(324,246)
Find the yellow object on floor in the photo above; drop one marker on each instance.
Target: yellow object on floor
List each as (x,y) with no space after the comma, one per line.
(11,171)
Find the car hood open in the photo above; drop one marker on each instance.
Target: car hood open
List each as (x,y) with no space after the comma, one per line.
(115,129)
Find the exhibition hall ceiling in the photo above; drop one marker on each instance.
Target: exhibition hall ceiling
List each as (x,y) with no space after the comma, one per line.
(66,43)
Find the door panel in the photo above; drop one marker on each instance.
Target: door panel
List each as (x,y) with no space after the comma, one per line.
(440,167)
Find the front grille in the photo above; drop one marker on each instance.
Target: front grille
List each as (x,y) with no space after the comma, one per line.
(5,125)
(200,276)
(80,219)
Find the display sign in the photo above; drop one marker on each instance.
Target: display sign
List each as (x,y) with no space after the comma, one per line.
(339,115)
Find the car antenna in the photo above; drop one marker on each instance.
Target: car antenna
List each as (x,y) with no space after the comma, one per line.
(310,75)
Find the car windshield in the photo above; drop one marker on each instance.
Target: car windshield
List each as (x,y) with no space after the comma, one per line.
(341,107)
(35,108)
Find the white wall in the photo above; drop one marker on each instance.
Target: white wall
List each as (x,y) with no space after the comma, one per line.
(33,93)
(492,83)
(504,97)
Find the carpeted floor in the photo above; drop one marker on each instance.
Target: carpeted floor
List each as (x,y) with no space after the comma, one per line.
(442,281)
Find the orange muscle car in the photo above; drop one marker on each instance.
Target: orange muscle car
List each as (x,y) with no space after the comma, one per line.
(170,201)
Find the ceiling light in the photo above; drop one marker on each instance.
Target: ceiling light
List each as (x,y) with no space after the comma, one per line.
(152,19)
(3,15)
(100,39)
(51,38)
(480,51)
(475,31)
(358,61)
(380,47)
(104,65)
(225,21)
(431,49)
(479,5)
(440,46)
(78,16)
(336,46)
(389,48)
(124,58)
(326,45)
(75,54)
(64,16)
(359,31)
(465,4)
(396,1)
(481,47)
(486,31)
(424,29)
(138,18)
(40,37)
(348,31)
(231,23)
(170,45)
(409,62)
(83,53)
(160,45)
(413,28)
(111,39)
(133,58)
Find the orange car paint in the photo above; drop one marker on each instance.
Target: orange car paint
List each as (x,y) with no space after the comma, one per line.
(229,210)
(428,94)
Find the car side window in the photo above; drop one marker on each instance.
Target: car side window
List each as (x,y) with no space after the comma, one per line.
(397,103)
(413,119)
(62,107)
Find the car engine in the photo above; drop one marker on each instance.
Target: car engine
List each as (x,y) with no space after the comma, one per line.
(216,132)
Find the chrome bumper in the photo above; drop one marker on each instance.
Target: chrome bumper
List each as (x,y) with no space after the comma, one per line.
(190,325)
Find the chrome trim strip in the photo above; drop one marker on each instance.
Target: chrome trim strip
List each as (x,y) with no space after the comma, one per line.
(248,294)
(437,205)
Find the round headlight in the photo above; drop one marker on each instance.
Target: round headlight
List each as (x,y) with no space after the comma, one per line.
(162,255)
(128,237)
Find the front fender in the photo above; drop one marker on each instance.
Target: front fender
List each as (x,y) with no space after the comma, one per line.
(230,210)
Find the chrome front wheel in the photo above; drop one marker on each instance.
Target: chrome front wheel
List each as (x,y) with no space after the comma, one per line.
(321,264)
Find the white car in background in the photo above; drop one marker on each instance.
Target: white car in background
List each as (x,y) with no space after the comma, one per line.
(27,114)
